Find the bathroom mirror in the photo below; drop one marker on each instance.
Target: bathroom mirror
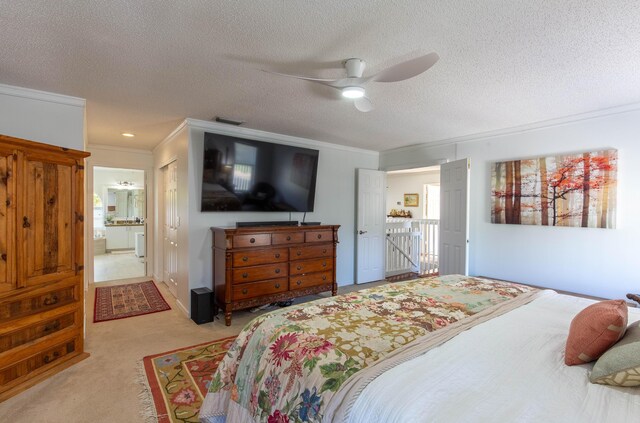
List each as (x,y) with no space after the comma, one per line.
(125,203)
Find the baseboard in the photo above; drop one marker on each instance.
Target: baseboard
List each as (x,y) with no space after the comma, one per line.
(182,308)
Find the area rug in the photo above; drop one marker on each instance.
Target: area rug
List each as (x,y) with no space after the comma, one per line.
(120,301)
(178,380)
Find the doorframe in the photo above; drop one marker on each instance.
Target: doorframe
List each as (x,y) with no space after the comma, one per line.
(91,163)
(429,163)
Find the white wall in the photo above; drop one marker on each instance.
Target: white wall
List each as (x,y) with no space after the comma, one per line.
(43,117)
(411,183)
(599,262)
(334,204)
(174,148)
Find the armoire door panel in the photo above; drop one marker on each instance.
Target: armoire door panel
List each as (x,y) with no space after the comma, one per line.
(7,224)
(47,221)
(77,218)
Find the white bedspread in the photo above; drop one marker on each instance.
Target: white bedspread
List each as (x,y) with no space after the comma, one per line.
(509,369)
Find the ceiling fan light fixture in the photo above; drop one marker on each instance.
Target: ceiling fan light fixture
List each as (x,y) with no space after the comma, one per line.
(353,92)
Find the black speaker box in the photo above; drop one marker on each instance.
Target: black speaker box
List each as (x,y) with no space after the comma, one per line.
(201,305)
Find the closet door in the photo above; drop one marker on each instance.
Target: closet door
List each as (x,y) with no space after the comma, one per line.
(8,276)
(47,220)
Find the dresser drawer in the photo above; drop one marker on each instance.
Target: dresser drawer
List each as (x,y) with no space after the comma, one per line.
(312,279)
(255,240)
(257,289)
(287,238)
(308,266)
(253,258)
(250,274)
(39,361)
(300,253)
(37,303)
(318,236)
(33,332)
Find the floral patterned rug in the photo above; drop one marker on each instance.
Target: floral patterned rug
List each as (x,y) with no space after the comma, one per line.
(178,380)
(134,299)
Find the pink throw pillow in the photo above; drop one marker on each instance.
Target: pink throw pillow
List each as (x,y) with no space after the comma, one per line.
(594,330)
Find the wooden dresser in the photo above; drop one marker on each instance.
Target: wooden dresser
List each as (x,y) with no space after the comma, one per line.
(253,266)
(41,262)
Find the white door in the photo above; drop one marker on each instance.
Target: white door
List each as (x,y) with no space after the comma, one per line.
(370,228)
(454,183)
(170,227)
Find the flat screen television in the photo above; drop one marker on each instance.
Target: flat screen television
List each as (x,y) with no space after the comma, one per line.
(248,175)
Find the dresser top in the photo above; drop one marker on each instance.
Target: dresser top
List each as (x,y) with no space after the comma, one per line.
(271,229)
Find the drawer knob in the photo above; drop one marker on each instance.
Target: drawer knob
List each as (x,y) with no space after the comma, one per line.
(288,238)
(53,326)
(245,274)
(50,358)
(299,267)
(319,236)
(51,300)
(299,253)
(277,255)
(324,251)
(277,285)
(245,258)
(245,291)
(277,270)
(324,277)
(252,240)
(324,264)
(298,283)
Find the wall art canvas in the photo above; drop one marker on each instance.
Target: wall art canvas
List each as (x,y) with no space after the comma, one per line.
(565,190)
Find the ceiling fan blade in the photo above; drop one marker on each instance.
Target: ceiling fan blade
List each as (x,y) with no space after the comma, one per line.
(306,78)
(363,104)
(346,82)
(408,69)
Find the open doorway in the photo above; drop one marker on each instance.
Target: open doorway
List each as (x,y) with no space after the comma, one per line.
(412,222)
(119,212)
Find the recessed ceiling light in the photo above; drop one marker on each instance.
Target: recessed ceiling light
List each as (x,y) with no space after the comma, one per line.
(353,92)
(128,134)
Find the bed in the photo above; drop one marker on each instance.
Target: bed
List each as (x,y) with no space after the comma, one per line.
(446,349)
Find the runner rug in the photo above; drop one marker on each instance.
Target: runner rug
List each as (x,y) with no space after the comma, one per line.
(120,301)
(178,380)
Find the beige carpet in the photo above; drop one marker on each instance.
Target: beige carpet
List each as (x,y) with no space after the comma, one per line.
(104,388)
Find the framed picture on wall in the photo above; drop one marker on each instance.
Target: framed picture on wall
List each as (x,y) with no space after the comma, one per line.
(411,200)
(576,190)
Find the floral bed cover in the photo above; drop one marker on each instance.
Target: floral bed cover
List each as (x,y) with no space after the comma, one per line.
(288,365)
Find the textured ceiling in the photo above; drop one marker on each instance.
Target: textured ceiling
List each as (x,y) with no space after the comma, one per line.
(144,66)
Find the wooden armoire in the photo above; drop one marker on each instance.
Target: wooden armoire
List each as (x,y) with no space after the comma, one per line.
(41,261)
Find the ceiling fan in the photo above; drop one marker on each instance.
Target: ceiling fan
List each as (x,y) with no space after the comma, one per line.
(352,86)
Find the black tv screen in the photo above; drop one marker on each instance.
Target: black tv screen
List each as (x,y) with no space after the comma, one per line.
(247,175)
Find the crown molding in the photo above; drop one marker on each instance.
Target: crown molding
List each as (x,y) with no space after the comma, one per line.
(41,95)
(224,129)
(115,148)
(529,127)
(171,135)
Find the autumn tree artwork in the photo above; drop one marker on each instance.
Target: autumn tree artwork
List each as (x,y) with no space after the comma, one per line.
(567,190)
